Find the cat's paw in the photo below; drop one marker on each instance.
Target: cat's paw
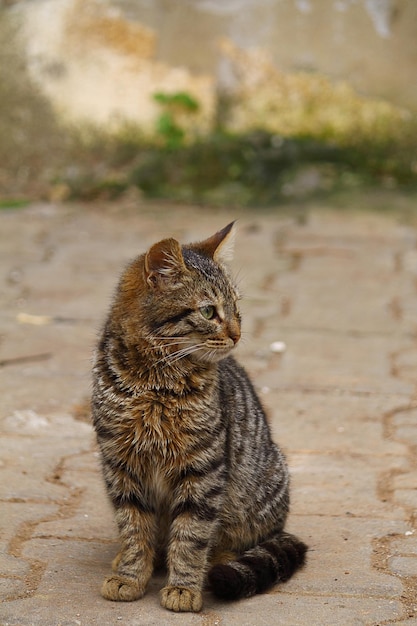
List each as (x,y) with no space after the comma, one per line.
(121,589)
(181,599)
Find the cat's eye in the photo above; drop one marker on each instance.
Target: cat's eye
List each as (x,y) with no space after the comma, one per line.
(208,311)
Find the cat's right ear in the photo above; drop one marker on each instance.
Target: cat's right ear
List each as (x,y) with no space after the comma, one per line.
(164,263)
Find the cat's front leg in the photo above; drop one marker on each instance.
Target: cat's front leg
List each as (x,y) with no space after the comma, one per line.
(193,527)
(134,564)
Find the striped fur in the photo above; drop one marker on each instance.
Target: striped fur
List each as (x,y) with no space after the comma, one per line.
(195,480)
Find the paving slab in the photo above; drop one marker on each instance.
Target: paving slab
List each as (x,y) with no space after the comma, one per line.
(337,290)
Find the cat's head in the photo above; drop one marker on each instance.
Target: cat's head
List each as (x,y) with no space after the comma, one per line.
(188,297)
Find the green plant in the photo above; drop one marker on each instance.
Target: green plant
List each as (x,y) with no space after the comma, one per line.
(174,116)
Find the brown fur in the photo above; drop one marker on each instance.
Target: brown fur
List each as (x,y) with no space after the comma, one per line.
(188,460)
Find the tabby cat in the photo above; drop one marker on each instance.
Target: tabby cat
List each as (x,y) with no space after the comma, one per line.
(195,480)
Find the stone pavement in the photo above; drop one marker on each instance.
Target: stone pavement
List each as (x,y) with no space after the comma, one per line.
(340,290)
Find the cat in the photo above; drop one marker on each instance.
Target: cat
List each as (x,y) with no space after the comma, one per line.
(188,461)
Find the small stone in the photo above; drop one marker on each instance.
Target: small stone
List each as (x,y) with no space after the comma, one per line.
(278,347)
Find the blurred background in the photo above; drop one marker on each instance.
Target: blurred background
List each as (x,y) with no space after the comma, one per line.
(216,102)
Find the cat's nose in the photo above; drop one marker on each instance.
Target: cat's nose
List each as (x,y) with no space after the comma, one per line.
(234,333)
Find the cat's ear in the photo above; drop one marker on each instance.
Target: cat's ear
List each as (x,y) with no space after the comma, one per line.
(219,246)
(164,263)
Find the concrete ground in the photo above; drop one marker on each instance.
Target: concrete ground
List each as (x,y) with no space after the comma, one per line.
(340,290)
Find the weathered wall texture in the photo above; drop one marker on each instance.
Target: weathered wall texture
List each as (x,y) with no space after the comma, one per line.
(103,60)
(371,43)
(97,65)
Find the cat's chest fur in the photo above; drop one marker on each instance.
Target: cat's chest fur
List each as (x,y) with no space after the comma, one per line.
(161,429)
(160,422)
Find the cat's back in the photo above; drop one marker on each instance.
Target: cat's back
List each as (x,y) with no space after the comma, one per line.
(237,392)
(244,415)
(256,465)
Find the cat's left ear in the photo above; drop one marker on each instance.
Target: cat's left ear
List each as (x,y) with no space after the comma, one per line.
(219,246)
(164,263)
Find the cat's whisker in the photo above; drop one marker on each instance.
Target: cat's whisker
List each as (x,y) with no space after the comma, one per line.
(239,277)
(170,359)
(167,344)
(180,354)
(211,355)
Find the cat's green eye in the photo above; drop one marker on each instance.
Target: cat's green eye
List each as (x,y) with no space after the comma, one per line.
(208,311)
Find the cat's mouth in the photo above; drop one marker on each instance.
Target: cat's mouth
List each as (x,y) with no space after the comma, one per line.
(207,351)
(214,350)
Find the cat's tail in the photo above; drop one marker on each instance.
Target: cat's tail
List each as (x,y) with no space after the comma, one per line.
(272,561)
